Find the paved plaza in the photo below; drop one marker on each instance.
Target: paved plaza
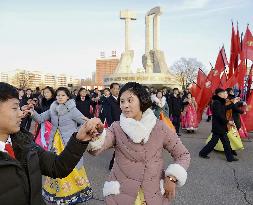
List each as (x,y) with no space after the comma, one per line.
(211,181)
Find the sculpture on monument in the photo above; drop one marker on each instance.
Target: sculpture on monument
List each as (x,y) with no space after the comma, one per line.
(153,60)
(126,57)
(156,70)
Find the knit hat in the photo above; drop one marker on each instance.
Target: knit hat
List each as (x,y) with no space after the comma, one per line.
(219,90)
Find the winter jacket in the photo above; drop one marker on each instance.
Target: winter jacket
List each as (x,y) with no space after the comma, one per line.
(139,160)
(112,110)
(84,106)
(176,105)
(63,117)
(45,104)
(21,178)
(219,122)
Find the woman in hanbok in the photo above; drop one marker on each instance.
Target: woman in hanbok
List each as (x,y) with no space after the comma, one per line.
(64,116)
(189,114)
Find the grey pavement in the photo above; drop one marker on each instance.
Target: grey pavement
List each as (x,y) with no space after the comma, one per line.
(211,181)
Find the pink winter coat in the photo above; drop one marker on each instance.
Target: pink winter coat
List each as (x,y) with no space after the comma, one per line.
(141,165)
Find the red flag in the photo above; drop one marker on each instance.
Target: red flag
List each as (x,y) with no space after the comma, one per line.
(247,118)
(210,75)
(249,82)
(215,80)
(201,79)
(241,72)
(243,130)
(232,52)
(247,45)
(195,90)
(204,99)
(221,61)
(223,79)
(230,82)
(237,48)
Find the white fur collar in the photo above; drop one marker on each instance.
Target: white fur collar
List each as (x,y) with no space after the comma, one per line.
(62,109)
(139,131)
(159,102)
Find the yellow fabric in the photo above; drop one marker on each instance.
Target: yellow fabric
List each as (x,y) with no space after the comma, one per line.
(140,200)
(234,138)
(167,121)
(76,181)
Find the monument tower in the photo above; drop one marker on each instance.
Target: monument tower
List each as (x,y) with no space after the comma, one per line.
(156,70)
(127,56)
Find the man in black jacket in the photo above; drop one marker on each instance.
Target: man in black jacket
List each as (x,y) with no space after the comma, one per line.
(22,162)
(111,106)
(175,107)
(112,110)
(103,99)
(219,126)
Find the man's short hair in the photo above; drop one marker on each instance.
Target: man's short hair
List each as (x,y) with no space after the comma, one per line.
(111,86)
(7,92)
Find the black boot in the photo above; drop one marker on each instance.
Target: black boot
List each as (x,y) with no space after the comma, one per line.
(234,153)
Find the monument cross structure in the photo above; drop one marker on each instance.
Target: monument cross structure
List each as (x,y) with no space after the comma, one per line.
(156,70)
(126,57)
(154,60)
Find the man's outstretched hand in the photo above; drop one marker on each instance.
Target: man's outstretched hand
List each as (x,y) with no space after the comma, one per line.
(90,130)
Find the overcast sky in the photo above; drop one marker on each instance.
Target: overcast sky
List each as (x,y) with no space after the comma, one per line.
(60,36)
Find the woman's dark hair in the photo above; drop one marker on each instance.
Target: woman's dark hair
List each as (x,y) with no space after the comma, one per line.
(78,97)
(140,91)
(51,90)
(7,92)
(189,93)
(159,91)
(64,89)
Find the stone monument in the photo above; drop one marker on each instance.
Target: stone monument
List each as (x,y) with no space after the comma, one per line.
(126,59)
(156,70)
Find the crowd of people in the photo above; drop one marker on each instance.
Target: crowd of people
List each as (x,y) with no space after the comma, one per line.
(126,118)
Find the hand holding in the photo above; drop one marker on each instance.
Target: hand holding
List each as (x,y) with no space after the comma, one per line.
(89,130)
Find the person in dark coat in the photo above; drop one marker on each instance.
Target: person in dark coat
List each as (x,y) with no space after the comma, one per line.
(48,99)
(27,121)
(84,103)
(237,111)
(22,162)
(103,98)
(21,96)
(237,108)
(219,126)
(111,106)
(112,110)
(175,107)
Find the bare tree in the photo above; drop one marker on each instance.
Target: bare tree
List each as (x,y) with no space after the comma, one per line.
(23,79)
(186,70)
